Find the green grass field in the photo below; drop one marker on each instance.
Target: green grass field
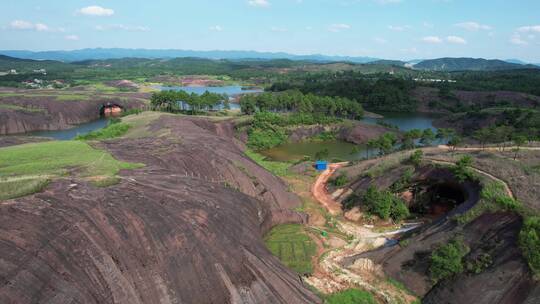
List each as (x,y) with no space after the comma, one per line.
(277,168)
(110,131)
(26,169)
(19,108)
(292,246)
(350,296)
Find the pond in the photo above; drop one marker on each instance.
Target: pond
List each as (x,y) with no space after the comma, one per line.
(406,121)
(344,151)
(73,132)
(337,150)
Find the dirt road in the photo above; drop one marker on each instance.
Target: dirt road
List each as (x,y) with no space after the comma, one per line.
(509,148)
(330,275)
(320,193)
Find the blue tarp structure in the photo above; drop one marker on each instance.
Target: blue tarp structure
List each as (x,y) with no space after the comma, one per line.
(321,165)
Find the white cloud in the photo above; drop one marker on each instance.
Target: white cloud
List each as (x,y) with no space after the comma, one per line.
(399,28)
(40,27)
(517,40)
(23,25)
(338,27)
(380,40)
(259,3)
(456,40)
(216,28)
(72,37)
(432,39)
(473,26)
(95,10)
(530,28)
(122,27)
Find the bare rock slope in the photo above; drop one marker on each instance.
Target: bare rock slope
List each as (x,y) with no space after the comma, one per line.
(187,228)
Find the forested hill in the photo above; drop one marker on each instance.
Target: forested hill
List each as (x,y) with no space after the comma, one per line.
(469,64)
(117,53)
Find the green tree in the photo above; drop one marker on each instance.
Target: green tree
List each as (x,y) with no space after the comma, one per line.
(519,141)
(416,157)
(447,260)
(483,136)
(455,141)
(384,204)
(427,137)
(529,241)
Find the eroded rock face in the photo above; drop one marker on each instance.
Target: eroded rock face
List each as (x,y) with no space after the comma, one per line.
(50,114)
(187,228)
(507,279)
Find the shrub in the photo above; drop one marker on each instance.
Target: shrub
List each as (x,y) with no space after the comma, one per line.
(340,181)
(111,131)
(461,170)
(480,263)
(529,240)
(416,157)
(447,260)
(260,139)
(384,204)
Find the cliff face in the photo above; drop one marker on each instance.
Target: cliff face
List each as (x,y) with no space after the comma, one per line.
(187,228)
(21,113)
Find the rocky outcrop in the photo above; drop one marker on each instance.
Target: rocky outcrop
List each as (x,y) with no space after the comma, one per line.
(22,114)
(357,133)
(505,279)
(187,228)
(361,133)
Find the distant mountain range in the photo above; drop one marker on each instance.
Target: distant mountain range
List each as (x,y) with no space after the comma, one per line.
(470,64)
(440,64)
(100,53)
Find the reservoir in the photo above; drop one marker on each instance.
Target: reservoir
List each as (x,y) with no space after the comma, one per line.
(339,150)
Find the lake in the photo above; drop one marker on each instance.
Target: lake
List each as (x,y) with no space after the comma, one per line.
(229,90)
(73,132)
(341,150)
(406,121)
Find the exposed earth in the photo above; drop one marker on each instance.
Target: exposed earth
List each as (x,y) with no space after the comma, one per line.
(186,228)
(368,258)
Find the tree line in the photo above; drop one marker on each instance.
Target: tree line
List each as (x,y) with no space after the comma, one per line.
(296,102)
(375,92)
(182,101)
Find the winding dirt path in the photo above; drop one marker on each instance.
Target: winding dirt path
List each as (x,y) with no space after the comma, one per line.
(319,189)
(330,275)
(510,148)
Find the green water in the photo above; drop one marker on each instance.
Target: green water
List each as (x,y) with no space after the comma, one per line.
(341,150)
(337,149)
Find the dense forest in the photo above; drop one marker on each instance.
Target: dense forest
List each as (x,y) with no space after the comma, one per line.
(376,92)
(181,101)
(296,101)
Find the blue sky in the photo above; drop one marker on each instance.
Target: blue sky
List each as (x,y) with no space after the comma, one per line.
(393,29)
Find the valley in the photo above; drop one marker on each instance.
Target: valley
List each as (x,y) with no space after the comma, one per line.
(133,191)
